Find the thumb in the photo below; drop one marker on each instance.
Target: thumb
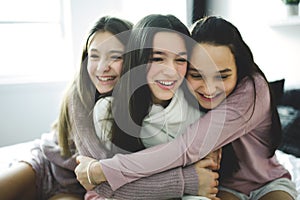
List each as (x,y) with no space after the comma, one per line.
(78,159)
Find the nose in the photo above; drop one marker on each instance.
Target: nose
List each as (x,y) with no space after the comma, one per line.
(209,87)
(170,68)
(103,65)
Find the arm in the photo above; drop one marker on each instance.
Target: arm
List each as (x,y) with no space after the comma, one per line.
(166,185)
(170,184)
(229,121)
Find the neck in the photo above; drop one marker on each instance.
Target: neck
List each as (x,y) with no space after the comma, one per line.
(163,103)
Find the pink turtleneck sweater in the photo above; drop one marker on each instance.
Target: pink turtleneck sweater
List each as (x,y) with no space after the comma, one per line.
(235,120)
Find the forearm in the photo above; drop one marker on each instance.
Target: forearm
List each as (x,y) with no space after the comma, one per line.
(169,184)
(188,148)
(217,128)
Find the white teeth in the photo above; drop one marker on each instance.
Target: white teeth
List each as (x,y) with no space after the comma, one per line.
(209,96)
(166,83)
(106,78)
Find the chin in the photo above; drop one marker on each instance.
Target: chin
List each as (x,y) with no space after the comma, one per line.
(206,106)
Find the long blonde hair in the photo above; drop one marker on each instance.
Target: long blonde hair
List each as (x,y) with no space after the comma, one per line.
(82,87)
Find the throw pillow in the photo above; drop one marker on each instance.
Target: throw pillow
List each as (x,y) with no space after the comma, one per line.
(290,121)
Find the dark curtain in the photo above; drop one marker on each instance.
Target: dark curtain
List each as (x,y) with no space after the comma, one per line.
(198,9)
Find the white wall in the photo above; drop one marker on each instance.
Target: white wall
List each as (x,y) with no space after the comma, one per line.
(275,49)
(84,14)
(28,110)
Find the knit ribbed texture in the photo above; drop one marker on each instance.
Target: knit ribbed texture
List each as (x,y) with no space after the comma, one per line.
(160,186)
(191,180)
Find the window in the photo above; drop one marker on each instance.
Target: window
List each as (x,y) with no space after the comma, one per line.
(35,41)
(40,39)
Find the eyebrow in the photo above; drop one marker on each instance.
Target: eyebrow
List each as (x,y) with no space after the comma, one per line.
(221,71)
(94,50)
(162,53)
(225,70)
(111,51)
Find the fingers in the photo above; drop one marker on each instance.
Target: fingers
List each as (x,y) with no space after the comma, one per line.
(219,158)
(89,186)
(206,163)
(78,159)
(214,198)
(216,183)
(213,193)
(216,175)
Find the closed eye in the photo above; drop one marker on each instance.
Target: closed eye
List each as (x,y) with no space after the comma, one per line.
(196,76)
(94,56)
(156,59)
(223,76)
(116,57)
(182,60)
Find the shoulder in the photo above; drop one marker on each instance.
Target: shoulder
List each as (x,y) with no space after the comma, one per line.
(251,87)
(249,92)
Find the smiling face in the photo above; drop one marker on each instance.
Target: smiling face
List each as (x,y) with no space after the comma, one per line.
(105,58)
(212,75)
(167,67)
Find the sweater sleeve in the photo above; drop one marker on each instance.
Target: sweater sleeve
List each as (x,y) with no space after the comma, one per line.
(166,185)
(233,118)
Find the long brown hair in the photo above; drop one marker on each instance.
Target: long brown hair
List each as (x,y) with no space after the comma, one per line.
(217,31)
(81,86)
(132,95)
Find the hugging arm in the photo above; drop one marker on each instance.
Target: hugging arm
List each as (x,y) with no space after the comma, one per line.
(220,126)
(196,179)
(169,184)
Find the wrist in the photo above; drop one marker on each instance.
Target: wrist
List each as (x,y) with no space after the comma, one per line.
(97,173)
(190,180)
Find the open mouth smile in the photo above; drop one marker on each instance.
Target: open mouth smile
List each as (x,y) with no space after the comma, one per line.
(209,97)
(106,78)
(166,85)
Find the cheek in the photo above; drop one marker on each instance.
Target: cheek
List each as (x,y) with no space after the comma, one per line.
(182,70)
(117,67)
(149,75)
(152,70)
(229,87)
(192,83)
(90,69)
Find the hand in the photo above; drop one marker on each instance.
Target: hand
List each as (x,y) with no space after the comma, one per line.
(95,172)
(216,156)
(208,183)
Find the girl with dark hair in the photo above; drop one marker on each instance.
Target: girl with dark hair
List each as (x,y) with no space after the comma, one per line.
(240,111)
(221,62)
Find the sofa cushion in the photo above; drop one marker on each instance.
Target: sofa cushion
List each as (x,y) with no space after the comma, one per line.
(291,98)
(290,121)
